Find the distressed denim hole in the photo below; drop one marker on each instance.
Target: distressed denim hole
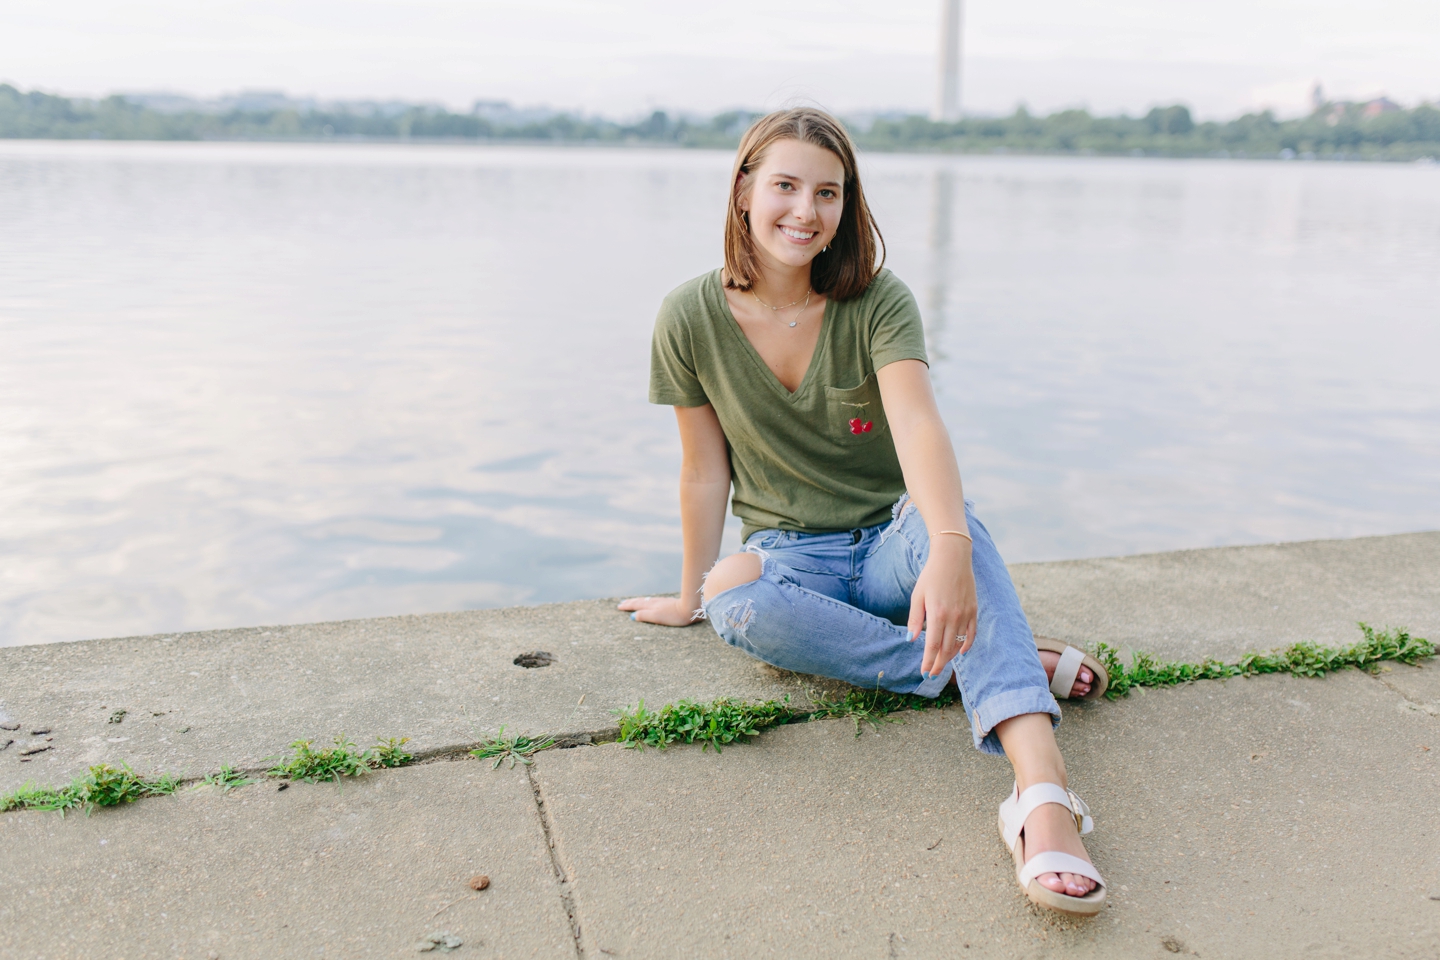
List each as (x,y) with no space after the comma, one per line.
(737,616)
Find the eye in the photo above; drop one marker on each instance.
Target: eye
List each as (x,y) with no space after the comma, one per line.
(784,185)
(828,194)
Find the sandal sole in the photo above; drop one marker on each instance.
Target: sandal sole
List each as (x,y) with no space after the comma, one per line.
(1042,896)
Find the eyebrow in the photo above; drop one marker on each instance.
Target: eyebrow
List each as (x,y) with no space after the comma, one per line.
(791,176)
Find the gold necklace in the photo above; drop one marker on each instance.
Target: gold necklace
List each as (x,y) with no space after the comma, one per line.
(774,310)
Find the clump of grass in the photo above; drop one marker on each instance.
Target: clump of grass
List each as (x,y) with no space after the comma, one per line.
(517,749)
(875,707)
(717,723)
(101,786)
(31,796)
(227,778)
(310,765)
(391,753)
(1300,659)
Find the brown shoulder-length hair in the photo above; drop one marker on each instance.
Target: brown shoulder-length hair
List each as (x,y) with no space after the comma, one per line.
(846,268)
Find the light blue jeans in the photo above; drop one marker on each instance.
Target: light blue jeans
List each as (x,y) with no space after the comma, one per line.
(835,605)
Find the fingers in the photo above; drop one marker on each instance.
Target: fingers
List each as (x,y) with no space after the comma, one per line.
(917,616)
(941,645)
(943,641)
(972,628)
(634,603)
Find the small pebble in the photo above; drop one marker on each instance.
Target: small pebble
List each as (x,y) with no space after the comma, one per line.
(9,726)
(479,882)
(39,733)
(31,751)
(283,786)
(118,716)
(443,939)
(6,744)
(184,729)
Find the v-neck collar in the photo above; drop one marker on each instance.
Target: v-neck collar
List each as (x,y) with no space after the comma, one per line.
(821,344)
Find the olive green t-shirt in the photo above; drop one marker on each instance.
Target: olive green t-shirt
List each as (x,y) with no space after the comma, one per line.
(820,459)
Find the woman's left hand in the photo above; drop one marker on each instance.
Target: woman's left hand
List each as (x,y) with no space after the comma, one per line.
(944,604)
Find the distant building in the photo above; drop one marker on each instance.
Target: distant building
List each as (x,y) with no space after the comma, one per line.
(1317,97)
(947,94)
(1378,106)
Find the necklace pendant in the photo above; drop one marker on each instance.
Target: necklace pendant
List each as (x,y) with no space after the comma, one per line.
(793,322)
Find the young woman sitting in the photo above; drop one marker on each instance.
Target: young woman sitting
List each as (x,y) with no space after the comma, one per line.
(799,376)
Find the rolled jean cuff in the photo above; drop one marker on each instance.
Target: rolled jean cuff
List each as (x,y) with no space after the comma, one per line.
(1001,707)
(932,687)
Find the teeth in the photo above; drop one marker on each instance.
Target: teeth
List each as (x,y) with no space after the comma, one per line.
(797,234)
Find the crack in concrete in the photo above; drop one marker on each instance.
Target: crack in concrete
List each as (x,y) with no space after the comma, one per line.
(567,896)
(1420,705)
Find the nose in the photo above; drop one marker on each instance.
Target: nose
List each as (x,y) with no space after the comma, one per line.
(804,208)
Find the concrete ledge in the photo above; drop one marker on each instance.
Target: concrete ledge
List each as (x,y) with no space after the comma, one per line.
(1264,818)
(196,701)
(1227,601)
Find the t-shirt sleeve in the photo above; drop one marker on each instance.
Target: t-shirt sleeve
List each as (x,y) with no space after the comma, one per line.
(672,361)
(896,330)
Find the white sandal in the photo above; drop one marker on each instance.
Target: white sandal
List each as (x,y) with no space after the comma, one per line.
(1013,813)
(1071,660)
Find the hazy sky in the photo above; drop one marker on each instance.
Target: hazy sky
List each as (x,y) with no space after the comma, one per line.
(616,57)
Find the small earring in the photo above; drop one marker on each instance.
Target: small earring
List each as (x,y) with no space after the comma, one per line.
(824,248)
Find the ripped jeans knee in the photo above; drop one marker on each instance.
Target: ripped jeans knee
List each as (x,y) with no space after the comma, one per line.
(733,611)
(736,616)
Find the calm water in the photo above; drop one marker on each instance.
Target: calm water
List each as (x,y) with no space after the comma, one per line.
(245,384)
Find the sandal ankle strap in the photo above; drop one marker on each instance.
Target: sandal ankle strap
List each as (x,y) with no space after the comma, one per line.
(1020,805)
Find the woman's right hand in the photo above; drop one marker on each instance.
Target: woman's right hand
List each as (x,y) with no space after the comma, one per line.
(666,611)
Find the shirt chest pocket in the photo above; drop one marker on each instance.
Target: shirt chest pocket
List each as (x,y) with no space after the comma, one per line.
(855,415)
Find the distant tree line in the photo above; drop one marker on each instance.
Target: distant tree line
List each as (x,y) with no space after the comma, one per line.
(1335,130)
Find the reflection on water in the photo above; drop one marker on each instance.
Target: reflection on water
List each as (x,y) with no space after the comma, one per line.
(246,384)
(934,304)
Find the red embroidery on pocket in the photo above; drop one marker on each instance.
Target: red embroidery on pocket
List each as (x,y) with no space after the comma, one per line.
(858,426)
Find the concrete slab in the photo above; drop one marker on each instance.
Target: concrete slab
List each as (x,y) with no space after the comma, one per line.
(193,702)
(1419,685)
(196,701)
(1267,818)
(363,870)
(1221,603)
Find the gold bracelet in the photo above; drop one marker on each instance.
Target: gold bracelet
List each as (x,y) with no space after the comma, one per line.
(956,533)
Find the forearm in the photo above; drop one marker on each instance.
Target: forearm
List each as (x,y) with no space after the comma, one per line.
(932,476)
(702,522)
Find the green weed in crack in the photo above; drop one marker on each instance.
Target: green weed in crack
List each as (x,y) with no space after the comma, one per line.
(391,753)
(342,760)
(519,748)
(101,786)
(717,723)
(227,778)
(1300,659)
(875,707)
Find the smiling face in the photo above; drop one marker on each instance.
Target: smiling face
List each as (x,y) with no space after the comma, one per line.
(794,200)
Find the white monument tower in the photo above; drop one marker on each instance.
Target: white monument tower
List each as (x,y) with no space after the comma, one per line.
(947,96)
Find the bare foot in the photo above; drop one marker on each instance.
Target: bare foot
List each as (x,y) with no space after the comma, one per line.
(1083,679)
(1052,827)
